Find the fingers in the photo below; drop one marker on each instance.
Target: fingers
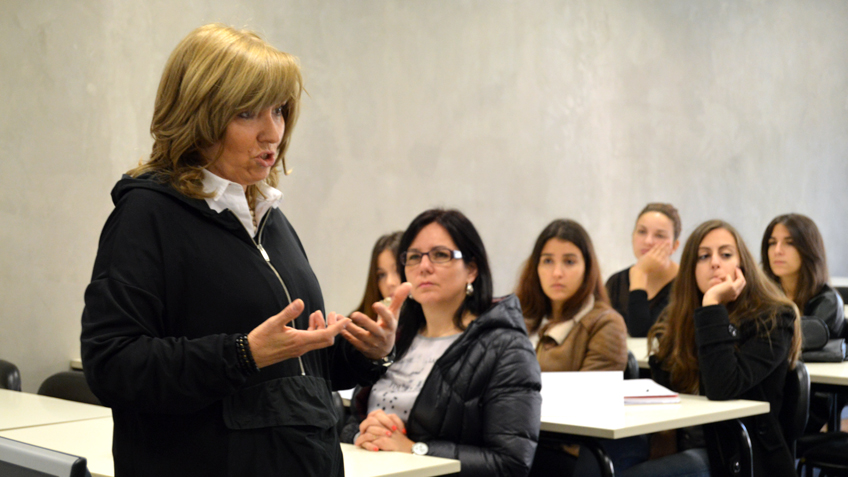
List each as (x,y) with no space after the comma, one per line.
(316,321)
(401,292)
(288,314)
(740,282)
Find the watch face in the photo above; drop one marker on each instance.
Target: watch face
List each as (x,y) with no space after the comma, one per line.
(420,448)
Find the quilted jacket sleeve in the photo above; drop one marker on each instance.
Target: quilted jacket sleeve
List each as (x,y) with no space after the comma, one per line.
(511,416)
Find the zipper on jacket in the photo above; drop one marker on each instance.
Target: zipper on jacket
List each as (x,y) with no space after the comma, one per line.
(258,242)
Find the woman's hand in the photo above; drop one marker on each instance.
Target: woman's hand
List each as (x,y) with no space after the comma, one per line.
(375,339)
(381,431)
(274,341)
(654,261)
(726,290)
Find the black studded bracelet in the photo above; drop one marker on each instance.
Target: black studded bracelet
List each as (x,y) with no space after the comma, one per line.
(245,357)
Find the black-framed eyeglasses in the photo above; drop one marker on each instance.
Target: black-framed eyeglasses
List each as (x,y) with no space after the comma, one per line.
(412,258)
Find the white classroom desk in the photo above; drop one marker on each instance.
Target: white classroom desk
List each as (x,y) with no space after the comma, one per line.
(646,418)
(92,439)
(829,373)
(20,410)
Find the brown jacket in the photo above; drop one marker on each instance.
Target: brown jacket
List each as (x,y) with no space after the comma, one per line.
(598,342)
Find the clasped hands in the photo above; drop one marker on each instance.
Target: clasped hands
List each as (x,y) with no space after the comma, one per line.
(274,340)
(381,431)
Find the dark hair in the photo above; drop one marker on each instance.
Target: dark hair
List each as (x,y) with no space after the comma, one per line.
(808,241)
(466,238)
(372,294)
(674,332)
(534,303)
(669,211)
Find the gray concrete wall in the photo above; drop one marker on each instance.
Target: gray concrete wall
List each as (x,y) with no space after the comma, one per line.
(514,112)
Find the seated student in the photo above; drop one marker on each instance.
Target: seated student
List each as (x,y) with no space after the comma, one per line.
(728,333)
(565,305)
(570,321)
(383,275)
(640,293)
(793,256)
(466,382)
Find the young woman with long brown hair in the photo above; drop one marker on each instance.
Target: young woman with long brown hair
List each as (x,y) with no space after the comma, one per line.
(383,276)
(794,257)
(572,327)
(728,333)
(565,304)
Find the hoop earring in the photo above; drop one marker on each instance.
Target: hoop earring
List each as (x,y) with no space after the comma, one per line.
(469,289)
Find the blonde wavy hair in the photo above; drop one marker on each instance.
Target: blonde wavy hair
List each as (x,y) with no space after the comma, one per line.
(215,73)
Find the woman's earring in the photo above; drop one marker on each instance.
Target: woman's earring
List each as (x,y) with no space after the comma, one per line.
(469,289)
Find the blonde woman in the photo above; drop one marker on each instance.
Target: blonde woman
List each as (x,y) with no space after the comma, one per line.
(183,334)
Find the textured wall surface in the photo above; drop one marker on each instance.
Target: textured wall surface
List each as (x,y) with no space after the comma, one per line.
(514,112)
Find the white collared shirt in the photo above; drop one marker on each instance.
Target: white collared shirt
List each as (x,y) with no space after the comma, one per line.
(230,195)
(560,331)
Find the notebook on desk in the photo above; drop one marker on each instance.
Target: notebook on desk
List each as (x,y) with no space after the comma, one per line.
(647,391)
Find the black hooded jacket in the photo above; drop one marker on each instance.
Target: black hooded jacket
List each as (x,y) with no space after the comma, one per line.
(174,284)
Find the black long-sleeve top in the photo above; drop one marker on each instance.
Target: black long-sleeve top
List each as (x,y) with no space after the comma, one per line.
(638,311)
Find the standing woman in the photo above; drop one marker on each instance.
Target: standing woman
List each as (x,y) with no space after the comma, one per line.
(640,293)
(383,277)
(565,305)
(466,383)
(728,333)
(794,257)
(182,333)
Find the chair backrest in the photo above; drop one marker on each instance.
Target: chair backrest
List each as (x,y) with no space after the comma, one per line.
(70,385)
(18,459)
(796,404)
(632,369)
(10,376)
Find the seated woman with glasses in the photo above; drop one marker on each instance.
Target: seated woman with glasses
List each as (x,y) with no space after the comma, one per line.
(640,293)
(569,318)
(383,277)
(466,383)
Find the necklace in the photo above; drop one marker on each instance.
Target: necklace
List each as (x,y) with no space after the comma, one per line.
(253,217)
(251,206)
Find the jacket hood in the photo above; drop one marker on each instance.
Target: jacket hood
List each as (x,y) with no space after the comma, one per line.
(506,313)
(150,182)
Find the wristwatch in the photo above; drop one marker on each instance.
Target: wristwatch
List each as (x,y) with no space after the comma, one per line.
(387,360)
(420,448)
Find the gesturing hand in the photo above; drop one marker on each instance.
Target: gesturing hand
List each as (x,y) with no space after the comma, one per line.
(726,290)
(274,341)
(381,431)
(376,339)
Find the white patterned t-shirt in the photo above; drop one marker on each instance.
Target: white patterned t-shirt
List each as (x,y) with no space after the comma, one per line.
(396,391)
